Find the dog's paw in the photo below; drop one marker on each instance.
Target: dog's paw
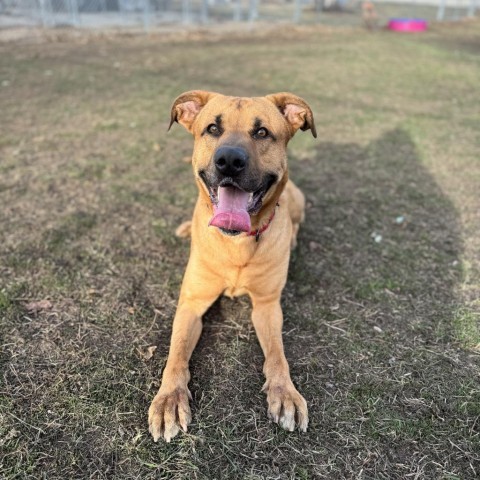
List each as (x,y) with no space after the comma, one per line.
(168,413)
(286,406)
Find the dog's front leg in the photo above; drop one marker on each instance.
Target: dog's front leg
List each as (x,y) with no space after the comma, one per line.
(285,405)
(170,408)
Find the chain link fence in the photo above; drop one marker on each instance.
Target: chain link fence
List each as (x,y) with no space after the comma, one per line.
(153,13)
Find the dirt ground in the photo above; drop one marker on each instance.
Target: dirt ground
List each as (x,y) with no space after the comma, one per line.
(382,309)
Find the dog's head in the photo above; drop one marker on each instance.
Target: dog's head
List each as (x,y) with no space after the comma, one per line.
(239,156)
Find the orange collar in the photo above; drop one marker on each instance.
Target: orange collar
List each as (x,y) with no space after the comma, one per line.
(256,233)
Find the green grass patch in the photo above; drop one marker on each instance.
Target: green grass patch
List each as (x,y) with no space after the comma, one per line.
(467,328)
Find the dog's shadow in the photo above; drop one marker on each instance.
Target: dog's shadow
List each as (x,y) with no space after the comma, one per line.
(377,221)
(374,275)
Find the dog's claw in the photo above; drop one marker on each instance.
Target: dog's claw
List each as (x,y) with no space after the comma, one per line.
(302,422)
(171,432)
(155,434)
(287,420)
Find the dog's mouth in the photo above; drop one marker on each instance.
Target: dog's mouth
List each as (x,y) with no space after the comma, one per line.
(233,206)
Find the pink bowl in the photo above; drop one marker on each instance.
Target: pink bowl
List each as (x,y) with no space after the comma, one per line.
(407,24)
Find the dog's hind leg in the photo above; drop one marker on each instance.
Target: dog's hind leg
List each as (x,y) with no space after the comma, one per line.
(184,230)
(296,209)
(293,240)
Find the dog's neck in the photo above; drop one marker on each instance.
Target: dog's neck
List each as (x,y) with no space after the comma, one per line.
(264,216)
(256,233)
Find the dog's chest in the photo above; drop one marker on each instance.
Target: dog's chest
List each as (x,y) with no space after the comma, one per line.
(236,282)
(240,265)
(235,292)
(239,278)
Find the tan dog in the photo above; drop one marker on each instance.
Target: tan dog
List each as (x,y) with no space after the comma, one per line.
(369,14)
(245,221)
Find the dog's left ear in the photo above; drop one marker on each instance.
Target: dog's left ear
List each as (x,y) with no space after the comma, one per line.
(186,107)
(295,110)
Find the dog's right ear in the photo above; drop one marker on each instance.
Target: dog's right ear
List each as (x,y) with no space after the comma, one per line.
(187,106)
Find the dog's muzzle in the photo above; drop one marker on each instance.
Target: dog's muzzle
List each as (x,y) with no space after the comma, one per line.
(235,191)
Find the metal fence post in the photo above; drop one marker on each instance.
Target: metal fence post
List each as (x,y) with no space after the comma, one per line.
(186,11)
(441,11)
(472,7)
(204,11)
(253,14)
(146,15)
(297,12)
(43,12)
(74,12)
(237,11)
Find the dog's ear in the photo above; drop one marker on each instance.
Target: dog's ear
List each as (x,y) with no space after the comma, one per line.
(186,107)
(295,110)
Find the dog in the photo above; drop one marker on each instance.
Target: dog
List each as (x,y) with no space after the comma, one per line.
(245,222)
(369,15)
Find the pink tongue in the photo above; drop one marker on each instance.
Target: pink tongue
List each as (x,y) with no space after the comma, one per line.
(231,211)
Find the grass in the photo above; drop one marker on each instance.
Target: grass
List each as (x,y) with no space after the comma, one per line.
(382,337)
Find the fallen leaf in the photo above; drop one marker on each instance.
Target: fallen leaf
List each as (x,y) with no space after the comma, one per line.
(11,434)
(35,307)
(147,354)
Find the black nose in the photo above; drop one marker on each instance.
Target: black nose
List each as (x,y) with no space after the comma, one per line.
(230,161)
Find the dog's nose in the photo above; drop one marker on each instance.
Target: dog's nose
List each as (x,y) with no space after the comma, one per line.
(230,161)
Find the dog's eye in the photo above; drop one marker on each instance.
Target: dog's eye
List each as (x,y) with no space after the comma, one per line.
(261,133)
(213,130)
